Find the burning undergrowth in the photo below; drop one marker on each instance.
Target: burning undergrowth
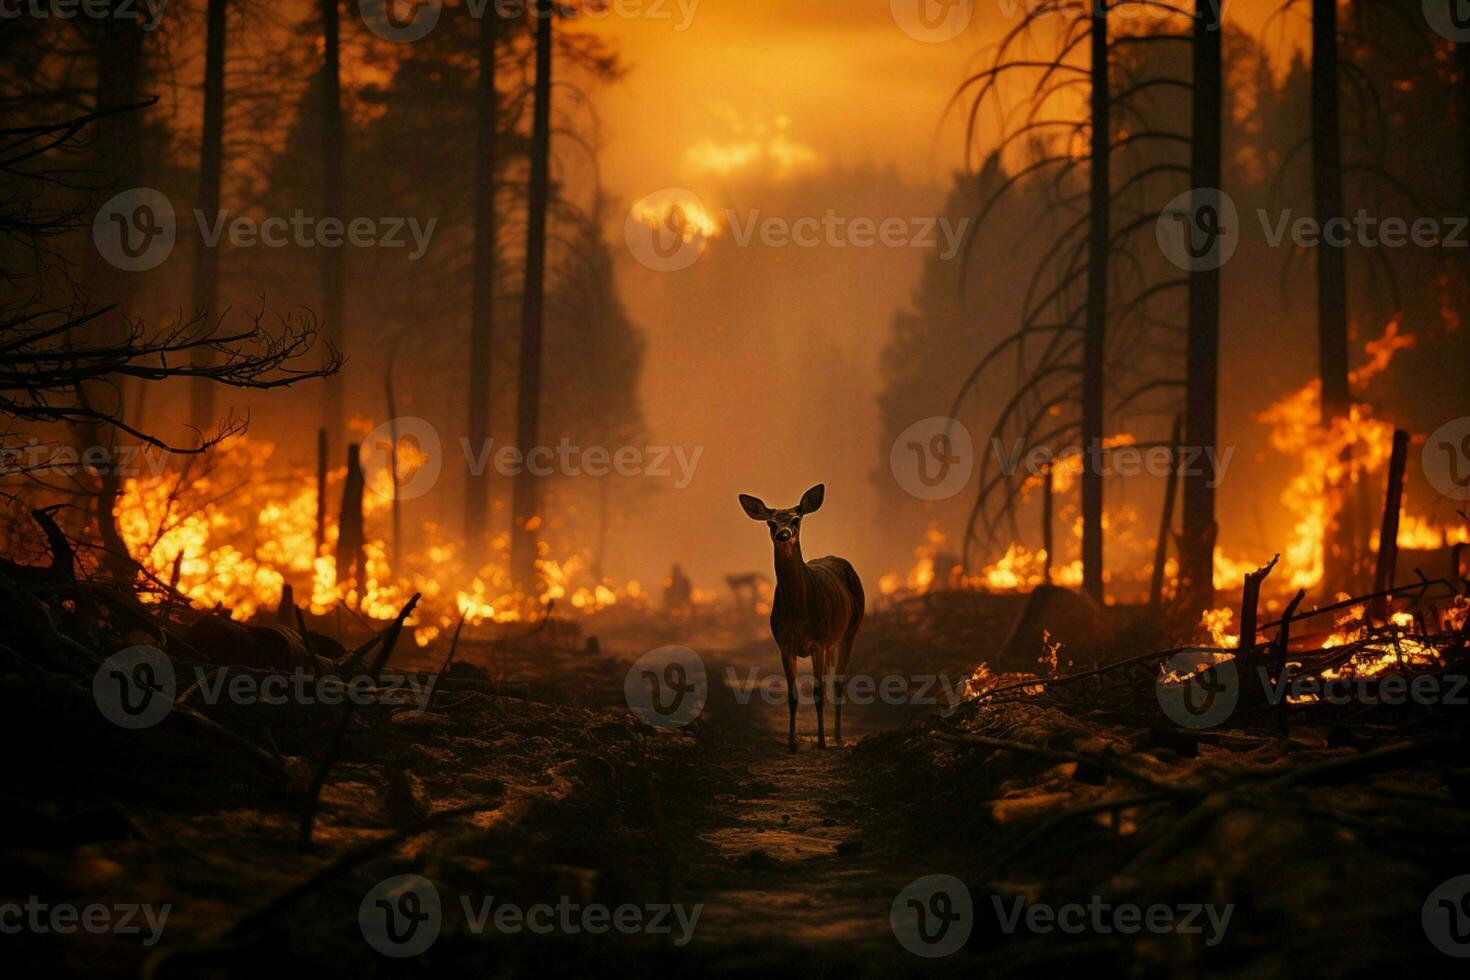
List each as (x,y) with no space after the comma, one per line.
(231,529)
(1333,790)
(265,800)
(1332,464)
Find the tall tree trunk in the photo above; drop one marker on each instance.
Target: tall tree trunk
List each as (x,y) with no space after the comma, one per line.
(351,559)
(117,165)
(1097,310)
(1332,322)
(1462,58)
(211,155)
(333,272)
(1202,372)
(525,506)
(482,295)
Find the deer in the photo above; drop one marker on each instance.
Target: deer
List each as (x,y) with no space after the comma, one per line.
(816,611)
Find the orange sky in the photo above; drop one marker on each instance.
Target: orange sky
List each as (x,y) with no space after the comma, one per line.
(757,357)
(855,87)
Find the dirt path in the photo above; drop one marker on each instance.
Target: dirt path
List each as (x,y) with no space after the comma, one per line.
(791,848)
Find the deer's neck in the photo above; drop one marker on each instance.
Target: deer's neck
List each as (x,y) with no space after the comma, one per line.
(791,571)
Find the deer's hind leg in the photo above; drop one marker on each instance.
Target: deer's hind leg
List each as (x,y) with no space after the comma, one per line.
(819,691)
(843,656)
(839,691)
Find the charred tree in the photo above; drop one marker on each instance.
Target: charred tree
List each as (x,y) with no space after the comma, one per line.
(525,505)
(482,290)
(1166,516)
(117,165)
(351,562)
(1202,367)
(1095,330)
(1332,316)
(333,269)
(1332,322)
(211,154)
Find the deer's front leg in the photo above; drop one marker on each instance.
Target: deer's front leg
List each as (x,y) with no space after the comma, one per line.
(788,664)
(819,692)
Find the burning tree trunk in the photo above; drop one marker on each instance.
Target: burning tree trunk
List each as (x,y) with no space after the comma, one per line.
(211,153)
(321,489)
(1097,308)
(1166,518)
(1388,535)
(482,295)
(333,272)
(1202,372)
(525,506)
(351,563)
(390,402)
(1047,485)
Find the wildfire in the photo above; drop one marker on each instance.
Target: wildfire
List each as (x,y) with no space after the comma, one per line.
(233,538)
(1353,448)
(1019,569)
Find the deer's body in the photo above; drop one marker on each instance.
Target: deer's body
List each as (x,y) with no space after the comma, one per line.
(816,612)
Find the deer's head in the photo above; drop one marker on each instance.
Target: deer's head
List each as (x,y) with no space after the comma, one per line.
(785,524)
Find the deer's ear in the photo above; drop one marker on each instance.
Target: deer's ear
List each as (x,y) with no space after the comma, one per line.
(812,499)
(755,508)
